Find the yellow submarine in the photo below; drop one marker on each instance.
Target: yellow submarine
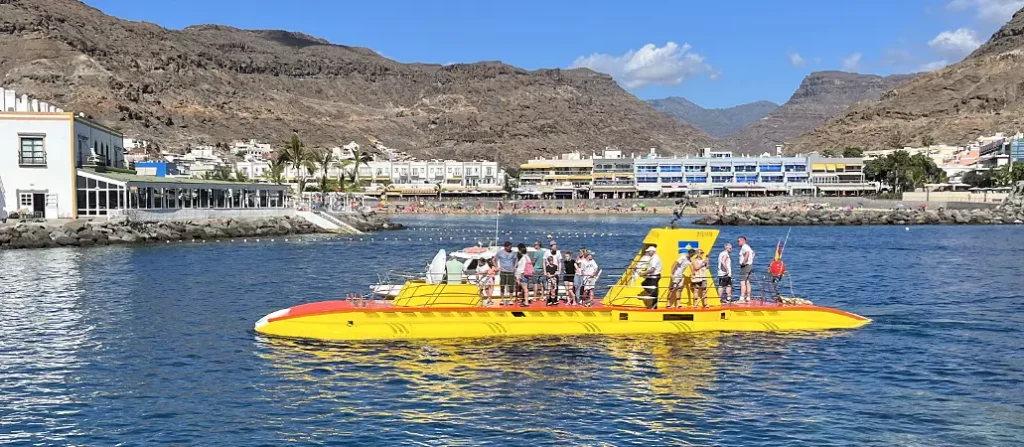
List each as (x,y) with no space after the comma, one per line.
(430,311)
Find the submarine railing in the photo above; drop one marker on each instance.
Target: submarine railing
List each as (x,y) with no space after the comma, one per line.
(764,287)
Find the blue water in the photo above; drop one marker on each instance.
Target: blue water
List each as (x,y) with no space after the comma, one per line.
(154,345)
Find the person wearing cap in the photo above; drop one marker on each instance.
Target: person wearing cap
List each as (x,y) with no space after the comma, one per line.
(506,259)
(652,276)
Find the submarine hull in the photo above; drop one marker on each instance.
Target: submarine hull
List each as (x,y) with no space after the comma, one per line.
(340,321)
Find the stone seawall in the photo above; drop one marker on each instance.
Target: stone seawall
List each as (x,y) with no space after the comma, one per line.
(1001,216)
(82,233)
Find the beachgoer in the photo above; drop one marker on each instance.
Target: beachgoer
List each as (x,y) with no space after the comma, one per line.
(652,275)
(485,281)
(699,277)
(569,277)
(725,273)
(746,267)
(506,259)
(551,275)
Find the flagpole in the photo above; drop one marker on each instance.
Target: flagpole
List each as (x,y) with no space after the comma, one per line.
(786,242)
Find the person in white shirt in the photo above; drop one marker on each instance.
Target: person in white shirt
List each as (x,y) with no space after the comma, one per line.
(698,275)
(652,276)
(746,267)
(588,271)
(725,273)
(679,280)
(485,280)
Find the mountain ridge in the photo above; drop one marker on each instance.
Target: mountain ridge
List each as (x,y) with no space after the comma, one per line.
(716,122)
(980,95)
(820,96)
(214,83)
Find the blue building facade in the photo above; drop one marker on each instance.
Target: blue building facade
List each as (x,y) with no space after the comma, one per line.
(156,168)
(721,174)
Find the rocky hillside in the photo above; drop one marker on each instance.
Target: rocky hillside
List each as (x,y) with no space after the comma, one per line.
(980,95)
(718,123)
(821,96)
(215,83)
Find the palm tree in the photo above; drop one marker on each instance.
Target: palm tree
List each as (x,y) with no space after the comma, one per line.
(299,157)
(275,172)
(343,169)
(325,159)
(437,190)
(359,158)
(241,177)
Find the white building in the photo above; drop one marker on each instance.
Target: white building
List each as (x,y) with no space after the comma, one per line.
(198,161)
(253,169)
(251,149)
(424,177)
(41,152)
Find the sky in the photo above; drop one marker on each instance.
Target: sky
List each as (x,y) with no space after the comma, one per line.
(714,53)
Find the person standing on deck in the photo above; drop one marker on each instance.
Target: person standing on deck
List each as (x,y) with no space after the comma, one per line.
(506,259)
(675,288)
(569,278)
(725,273)
(652,276)
(578,280)
(454,270)
(699,278)
(538,280)
(485,281)
(746,267)
(523,274)
(589,271)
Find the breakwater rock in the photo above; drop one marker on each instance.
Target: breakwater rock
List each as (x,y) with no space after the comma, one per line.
(1002,216)
(369,223)
(81,233)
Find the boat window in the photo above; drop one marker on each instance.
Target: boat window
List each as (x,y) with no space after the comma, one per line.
(677,317)
(623,317)
(518,314)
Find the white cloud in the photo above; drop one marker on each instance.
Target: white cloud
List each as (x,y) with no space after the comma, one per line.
(932,66)
(955,44)
(650,65)
(993,11)
(852,63)
(795,60)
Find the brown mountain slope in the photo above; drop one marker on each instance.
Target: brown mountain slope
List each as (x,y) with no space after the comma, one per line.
(216,83)
(980,95)
(820,96)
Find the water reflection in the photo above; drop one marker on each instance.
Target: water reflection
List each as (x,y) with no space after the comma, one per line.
(40,297)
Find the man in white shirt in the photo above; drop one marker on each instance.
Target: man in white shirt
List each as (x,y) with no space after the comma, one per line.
(746,267)
(652,276)
(725,273)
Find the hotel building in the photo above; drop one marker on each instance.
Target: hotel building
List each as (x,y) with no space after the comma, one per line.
(57,164)
(714,173)
(423,178)
(568,176)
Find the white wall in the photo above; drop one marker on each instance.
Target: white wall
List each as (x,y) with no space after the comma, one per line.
(199,213)
(106,142)
(55,179)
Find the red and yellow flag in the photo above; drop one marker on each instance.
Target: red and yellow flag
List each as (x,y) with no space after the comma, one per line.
(778,251)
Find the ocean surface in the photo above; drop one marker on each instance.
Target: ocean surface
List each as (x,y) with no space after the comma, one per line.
(154,345)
